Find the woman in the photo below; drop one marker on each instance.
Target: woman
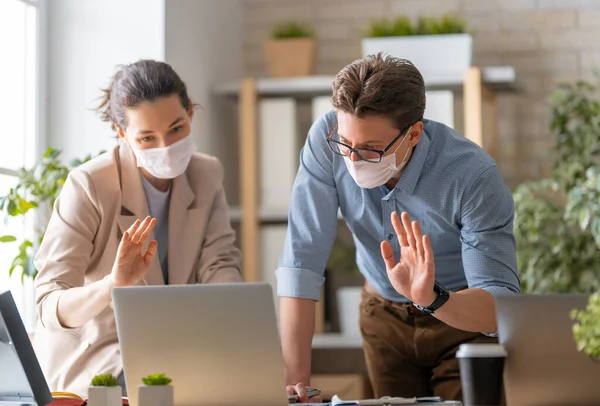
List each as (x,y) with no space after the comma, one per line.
(151,212)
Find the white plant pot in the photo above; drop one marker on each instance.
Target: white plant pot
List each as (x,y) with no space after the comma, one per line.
(155,395)
(105,396)
(348,310)
(434,55)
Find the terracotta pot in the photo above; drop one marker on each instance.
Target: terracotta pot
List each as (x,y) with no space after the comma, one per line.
(290,57)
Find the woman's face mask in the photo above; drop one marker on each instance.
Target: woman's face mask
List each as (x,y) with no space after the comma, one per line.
(159,135)
(369,175)
(166,162)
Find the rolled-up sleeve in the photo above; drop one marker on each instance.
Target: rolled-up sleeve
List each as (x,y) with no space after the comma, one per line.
(488,243)
(65,252)
(312,220)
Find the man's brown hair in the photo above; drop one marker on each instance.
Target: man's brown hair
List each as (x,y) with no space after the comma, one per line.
(381,85)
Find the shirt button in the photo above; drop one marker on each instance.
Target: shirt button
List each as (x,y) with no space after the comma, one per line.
(391,237)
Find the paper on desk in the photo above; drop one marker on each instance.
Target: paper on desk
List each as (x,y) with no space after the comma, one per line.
(386,400)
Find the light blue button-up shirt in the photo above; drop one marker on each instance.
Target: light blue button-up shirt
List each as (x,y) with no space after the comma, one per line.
(451,186)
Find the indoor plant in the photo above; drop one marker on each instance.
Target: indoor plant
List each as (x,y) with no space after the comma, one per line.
(344,282)
(425,43)
(557,220)
(290,51)
(104,391)
(586,330)
(155,391)
(36,191)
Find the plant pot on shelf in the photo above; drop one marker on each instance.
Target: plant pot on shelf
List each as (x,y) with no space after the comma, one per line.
(104,396)
(348,299)
(433,55)
(290,57)
(155,395)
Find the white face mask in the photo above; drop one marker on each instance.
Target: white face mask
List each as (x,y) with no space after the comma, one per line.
(369,175)
(167,162)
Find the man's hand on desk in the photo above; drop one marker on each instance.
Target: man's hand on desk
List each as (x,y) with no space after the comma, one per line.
(302,391)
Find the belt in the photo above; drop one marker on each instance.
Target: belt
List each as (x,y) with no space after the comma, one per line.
(371,291)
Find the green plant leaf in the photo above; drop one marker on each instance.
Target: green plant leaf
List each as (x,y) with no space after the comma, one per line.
(584,218)
(156,380)
(292,29)
(104,380)
(8,238)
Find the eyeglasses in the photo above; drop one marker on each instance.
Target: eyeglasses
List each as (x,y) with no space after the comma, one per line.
(369,155)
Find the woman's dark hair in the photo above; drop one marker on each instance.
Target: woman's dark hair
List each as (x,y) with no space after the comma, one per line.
(139,82)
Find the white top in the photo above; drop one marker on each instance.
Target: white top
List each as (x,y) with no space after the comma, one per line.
(158,206)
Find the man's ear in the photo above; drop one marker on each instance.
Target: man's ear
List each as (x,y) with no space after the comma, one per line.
(415,133)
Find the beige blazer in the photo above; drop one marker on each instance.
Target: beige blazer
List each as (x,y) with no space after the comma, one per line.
(99,201)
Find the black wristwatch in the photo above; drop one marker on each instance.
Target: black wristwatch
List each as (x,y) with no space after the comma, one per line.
(442,297)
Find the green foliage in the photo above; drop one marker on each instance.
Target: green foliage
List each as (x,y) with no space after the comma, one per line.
(557,220)
(156,380)
(104,380)
(292,29)
(402,26)
(37,188)
(586,330)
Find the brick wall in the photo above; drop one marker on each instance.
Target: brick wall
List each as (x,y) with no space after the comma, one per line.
(547,41)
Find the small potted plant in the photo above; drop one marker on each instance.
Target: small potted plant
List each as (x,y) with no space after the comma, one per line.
(586,330)
(104,391)
(425,43)
(291,50)
(155,391)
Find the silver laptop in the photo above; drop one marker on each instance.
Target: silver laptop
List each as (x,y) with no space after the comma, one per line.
(219,343)
(543,366)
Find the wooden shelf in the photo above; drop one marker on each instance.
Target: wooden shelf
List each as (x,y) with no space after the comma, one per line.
(496,78)
(336,341)
(266,214)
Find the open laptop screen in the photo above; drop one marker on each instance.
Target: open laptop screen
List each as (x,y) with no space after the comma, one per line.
(21,379)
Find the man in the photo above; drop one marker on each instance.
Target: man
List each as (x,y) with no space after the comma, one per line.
(433,271)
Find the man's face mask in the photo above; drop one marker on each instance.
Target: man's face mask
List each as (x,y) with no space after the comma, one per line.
(373,169)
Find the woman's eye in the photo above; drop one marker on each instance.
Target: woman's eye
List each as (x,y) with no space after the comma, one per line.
(177,129)
(147,139)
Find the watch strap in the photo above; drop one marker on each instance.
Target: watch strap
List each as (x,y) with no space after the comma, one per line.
(442,297)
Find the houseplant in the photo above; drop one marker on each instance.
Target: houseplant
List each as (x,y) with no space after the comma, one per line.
(425,43)
(104,391)
(35,193)
(586,330)
(290,51)
(557,220)
(344,282)
(155,391)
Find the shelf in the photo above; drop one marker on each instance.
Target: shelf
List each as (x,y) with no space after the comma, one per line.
(266,215)
(496,77)
(336,341)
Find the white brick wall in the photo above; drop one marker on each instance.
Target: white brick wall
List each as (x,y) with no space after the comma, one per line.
(547,41)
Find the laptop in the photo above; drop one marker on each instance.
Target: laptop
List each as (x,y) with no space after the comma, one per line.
(543,366)
(219,343)
(21,379)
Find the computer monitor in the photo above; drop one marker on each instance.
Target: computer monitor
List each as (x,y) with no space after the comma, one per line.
(21,379)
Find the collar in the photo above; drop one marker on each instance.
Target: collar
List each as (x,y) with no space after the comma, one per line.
(408,180)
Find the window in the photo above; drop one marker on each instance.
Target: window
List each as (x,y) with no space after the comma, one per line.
(20,135)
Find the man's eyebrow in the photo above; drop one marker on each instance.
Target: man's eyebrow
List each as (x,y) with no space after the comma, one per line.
(364,143)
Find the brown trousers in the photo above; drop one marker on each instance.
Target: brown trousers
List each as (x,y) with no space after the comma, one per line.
(410,353)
